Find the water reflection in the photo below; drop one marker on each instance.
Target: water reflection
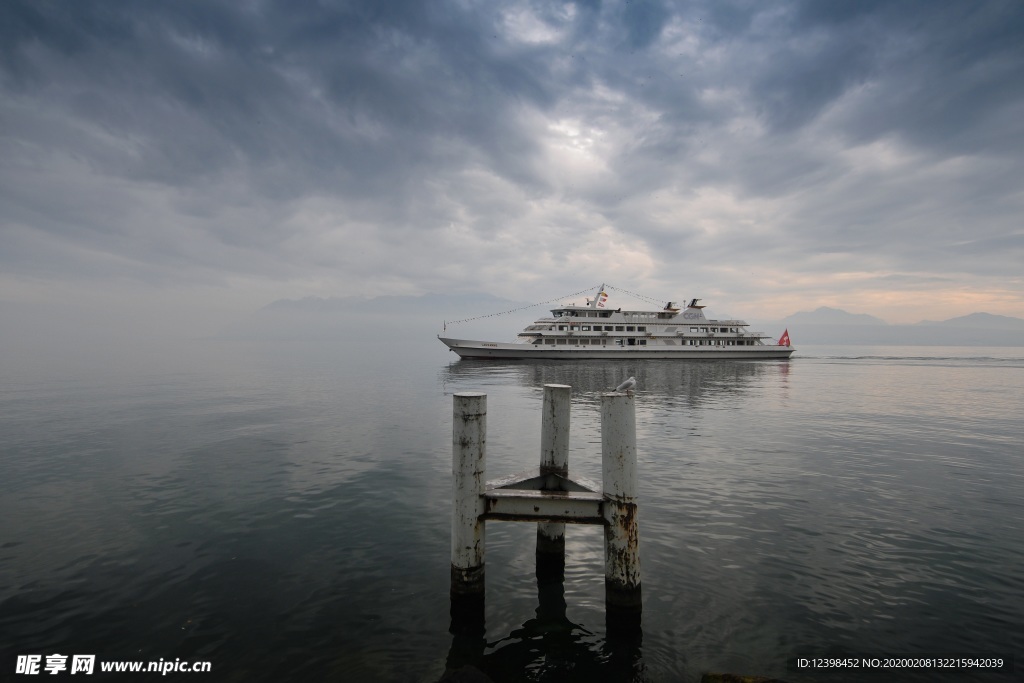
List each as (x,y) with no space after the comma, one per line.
(696,381)
(547,647)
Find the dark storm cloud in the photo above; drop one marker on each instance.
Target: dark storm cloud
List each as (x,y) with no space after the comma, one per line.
(273,139)
(944,69)
(353,91)
(352,100)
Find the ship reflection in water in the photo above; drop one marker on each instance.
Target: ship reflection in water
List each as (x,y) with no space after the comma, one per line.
(695,382)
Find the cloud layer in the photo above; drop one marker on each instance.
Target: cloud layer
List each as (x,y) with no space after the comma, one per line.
(769,155)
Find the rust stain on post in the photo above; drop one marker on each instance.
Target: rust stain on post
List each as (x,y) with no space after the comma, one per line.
(622,535)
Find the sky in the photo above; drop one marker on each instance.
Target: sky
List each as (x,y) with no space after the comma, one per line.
(189,162)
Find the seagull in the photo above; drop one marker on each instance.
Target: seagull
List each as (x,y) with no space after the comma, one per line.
(627,386)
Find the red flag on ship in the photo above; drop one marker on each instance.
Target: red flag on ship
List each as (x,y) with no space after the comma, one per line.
(784,339)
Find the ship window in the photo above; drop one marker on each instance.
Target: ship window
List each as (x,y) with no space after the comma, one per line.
(562,341)
(703,329)
(562,328)
(549,341)
(642,328)
(693,329)
(642,342)
(609,328)
(539,341)
(630,328)
(585,328)
(574,327)
(619,328)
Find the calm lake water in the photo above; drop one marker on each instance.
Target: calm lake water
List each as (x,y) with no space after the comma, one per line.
(283,512)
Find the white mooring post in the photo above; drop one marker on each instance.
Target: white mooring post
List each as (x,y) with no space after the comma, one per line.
(469,460)
(548,497)
(622,538)
(554,459)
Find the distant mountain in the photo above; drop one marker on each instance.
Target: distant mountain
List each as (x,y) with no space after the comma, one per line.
(983,320)
(832,316)
(834,326)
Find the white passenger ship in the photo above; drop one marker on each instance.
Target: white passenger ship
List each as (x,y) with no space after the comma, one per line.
(595,331)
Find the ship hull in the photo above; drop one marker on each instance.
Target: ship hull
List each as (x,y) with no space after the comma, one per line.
(466,348)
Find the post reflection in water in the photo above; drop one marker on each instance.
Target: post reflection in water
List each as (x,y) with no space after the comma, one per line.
(548,647)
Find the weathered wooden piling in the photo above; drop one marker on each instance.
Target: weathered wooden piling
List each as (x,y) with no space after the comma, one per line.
(622,538)
(469,462)
(554,460)
(548,496)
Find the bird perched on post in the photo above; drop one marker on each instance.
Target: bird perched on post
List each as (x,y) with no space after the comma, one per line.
(627,386)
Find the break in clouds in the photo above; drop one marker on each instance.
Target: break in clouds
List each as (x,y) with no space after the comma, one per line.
(866,155)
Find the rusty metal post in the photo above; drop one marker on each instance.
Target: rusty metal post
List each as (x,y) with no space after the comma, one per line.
(554,459)
(622,539)
(469,460)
